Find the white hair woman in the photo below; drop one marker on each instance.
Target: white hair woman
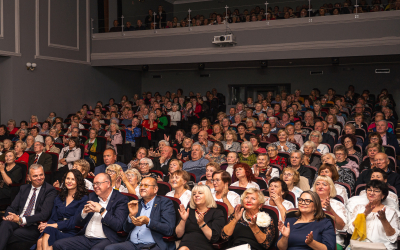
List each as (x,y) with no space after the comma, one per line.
(114,136)
(248,225)
(316,137)
(283,144)
(325,188)
(201,224)
(131,179)
(309,159)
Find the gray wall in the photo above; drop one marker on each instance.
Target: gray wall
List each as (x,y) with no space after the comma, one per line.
(362,77)
(330,36)
(64,78)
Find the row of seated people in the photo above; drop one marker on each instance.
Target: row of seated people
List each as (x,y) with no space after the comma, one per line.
(243,199)
(158,20)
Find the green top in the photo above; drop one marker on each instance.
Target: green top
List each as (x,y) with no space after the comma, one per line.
(162,122)
(251,160)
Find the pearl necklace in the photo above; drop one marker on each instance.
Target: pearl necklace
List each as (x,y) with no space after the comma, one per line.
(244,217)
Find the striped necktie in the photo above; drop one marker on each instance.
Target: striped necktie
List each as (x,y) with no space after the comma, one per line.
(31,203)
(36,159)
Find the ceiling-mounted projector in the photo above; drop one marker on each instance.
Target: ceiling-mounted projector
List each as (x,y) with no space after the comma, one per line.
(224,40)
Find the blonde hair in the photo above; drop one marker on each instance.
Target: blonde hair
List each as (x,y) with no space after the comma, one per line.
(23,144)
(135,172)
(180,163)
(84,164)
(296,175)
(261,197)
(234,135)
(210,202)
(248,143)
(316,132)
(328,180)
(117,168)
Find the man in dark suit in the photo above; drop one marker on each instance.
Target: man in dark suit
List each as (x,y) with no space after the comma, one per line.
(33,203)
(161,163)
(109,157)
(326,138)
(40,158)
(156,219)
(101,218)
(387,138)
(295,162)
(382,162)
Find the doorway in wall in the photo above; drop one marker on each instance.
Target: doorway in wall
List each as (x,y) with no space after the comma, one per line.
(240,92)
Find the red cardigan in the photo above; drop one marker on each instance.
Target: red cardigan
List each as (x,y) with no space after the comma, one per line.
(24,157)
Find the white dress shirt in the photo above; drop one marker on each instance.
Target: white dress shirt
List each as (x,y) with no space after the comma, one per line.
(95,228)
(341,211)
(185,197)
(250,184)
(27,203)
(233,198)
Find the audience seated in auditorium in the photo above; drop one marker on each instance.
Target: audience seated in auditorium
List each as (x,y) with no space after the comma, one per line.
(278,191)
(178,181)
(244,176)
(39,157)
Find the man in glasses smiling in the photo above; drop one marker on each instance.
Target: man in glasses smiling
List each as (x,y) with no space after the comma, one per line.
(150,218)
(101,218)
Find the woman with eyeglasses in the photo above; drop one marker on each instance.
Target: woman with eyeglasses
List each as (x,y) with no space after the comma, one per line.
(325,188)
(114,171)
(309,158)
(201,223)
(248,225)
(181,190)
(140,154)
(216,153)
(244,176)
(274,158)
(291,177)
(309,229)
(131,179)
(211,167)
(349,141)
(145,165)
(316,137)
(382,222)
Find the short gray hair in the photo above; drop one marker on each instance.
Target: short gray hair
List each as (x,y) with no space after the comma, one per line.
(149,161)
(35,166)
(297,152)
(164,141)
(135,172)
(272,146)
(310,144)
(201,148)
(23,130)
(386,123)
(273,118)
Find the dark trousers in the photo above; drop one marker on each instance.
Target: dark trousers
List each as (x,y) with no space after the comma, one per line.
(11,233)
(60,173)
(81,242)
(128,245)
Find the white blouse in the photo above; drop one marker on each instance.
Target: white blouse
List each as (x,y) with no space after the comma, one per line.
(123,189)
(287,204)
(205,184)
(233,198)
(297,192)
(341,211)
(340,190)
(185,197)
(251,184)
(375,231)
(229,169)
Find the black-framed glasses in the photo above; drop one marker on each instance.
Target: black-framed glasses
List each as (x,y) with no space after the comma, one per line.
(304,201)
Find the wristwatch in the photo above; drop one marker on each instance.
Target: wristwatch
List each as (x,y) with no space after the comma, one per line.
(20,221)
(102,210)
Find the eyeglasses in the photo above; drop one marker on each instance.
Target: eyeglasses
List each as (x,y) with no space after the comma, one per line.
(146,185)
(304,201)
(288,174)
(98,184)
(375,191)
(111,172)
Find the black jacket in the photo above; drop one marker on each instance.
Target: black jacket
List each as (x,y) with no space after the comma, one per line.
(45,160)
(43,205)
(393,179)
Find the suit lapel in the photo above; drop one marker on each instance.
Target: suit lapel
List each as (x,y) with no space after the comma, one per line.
(155,205)
(24,198)
(111,201)
(40,195)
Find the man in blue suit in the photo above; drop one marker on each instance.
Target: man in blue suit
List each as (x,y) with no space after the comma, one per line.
(109,157)
(150,218)
(101,218)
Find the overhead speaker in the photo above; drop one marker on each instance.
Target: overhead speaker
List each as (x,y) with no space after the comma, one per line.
(264,64)
(335,60)
(145,68)
(202,66)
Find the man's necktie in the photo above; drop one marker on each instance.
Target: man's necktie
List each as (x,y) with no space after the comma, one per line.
(31,203)
(36,159)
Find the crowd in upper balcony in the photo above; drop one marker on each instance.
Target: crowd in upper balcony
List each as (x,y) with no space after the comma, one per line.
(159,20)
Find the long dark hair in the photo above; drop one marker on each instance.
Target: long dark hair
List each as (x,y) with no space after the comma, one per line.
(80,186)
